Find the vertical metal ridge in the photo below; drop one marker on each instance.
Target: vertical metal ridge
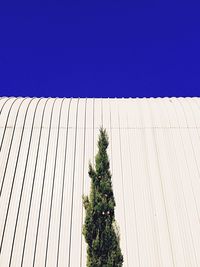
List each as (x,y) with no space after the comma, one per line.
(63,181)
(93,129)
(149,192)
(151,196)
(193,155)
(162,187)
(180,185)
(44,174)
(23,182)
(174,180)
(32,187)
(122,175)
(143,191)
(8,98)
(195,201)
(198,138)
(7,120)
(13,132)
(83,181)
(72,199)
(111,149)
(55,161)
(196,102)
(10,195)
(134,208)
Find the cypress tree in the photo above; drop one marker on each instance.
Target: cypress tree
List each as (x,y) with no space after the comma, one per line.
(100,230)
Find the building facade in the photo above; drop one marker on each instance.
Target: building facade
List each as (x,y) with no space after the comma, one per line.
(154,150)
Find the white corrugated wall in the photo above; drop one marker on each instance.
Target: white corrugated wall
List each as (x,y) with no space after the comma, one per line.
(45,147)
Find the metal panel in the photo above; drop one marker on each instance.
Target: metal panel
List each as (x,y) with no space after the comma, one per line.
(88,156)
(154,150)
(35,202)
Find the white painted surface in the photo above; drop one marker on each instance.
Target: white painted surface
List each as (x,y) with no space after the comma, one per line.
(45,147)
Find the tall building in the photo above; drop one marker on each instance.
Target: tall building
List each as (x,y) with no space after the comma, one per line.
(45,147)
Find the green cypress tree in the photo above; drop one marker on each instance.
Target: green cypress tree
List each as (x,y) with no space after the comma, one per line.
(100,230)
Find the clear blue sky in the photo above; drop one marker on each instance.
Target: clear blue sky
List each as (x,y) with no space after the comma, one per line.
(99,48)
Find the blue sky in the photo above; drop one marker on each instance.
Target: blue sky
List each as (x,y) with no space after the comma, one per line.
(99,49)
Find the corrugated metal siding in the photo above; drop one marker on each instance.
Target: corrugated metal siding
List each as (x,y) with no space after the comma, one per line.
(45,147)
